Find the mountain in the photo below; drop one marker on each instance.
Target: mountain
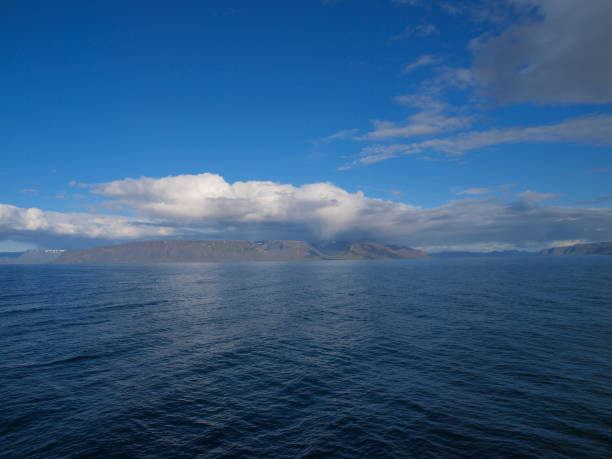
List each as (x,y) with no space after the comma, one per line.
(30,257)
(595,248)
(503,253)
(160,251)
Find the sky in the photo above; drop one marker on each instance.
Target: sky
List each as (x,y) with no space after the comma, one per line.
(442,125)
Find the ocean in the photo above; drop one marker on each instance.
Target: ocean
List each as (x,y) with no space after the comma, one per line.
(492,357)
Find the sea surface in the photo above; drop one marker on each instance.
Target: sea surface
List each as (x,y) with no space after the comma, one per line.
(498,357)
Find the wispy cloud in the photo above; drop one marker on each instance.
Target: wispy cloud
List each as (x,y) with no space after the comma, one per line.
(484,191)
(595,130)
(76,184)
(598,200)
(432,117)
(426,60)
(340,135)
(537,197)
(598,170)
(419,125)
(423,101)
(408,2)
(421,30)
(28,191)
(377,153)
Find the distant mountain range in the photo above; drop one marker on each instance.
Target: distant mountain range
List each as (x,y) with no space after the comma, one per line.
(461,254)
(598,248)
(224,251)
(594,248)
(227,251)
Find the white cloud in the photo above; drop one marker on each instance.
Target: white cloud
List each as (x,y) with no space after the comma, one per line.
(205,204)
(323,208)
(33,220)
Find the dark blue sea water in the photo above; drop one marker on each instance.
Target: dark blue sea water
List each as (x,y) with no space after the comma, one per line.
(468,357)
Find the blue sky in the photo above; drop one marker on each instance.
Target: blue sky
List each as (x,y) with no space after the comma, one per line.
(442,125)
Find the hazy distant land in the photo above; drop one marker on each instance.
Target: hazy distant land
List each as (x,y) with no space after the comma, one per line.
(495,253)
(30,257)
(174,251)
(599,248)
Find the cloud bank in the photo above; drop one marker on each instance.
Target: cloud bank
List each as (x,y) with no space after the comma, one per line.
(206,205)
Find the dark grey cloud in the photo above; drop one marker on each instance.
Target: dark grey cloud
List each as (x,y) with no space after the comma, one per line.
(560,55)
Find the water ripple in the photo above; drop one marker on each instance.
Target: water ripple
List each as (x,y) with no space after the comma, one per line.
(427,358)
